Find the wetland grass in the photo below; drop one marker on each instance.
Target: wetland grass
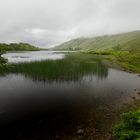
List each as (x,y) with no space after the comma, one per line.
(72,67)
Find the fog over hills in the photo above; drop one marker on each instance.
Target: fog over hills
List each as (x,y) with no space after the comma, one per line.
(47,23)
(125,41)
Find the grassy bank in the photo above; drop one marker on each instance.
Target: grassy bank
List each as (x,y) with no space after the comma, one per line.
(129,126)
(127,60)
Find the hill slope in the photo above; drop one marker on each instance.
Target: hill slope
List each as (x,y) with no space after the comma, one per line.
(17,47)
(126,41)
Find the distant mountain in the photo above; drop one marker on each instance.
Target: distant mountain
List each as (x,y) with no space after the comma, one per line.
(17,47)
(129,41)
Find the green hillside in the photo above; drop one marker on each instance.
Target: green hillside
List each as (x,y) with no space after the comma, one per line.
(17,47)
(126,41)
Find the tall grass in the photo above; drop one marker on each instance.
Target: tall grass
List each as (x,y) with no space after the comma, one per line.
(72,67)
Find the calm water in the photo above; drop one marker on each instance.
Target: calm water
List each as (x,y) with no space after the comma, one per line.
(32,56)
(38,110)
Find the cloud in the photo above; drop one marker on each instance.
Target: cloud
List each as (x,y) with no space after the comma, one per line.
(48,22)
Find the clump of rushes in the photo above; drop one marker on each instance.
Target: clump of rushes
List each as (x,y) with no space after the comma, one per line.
(72,67)
(129,126)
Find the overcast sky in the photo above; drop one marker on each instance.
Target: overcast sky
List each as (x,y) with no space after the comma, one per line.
(48,22)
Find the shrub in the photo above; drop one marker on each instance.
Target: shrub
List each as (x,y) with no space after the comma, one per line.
(129,126)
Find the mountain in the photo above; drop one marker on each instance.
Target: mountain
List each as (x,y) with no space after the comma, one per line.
(17,47)
(129,41)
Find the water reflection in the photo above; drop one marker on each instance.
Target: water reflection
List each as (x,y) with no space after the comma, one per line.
(54,99)
(20,57)
(31,109)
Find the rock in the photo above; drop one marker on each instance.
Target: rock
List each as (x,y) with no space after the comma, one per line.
(80,132)
(138,93)
(139,75)
(134,98)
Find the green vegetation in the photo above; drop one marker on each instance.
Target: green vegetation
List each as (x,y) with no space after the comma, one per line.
(13,47)
(2,61)
(121,42)
(3,66)
(127,60)
(123,49)
(73,67)
(17,47)
(129,127)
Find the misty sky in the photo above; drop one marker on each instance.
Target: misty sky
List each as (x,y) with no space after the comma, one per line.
(48,22)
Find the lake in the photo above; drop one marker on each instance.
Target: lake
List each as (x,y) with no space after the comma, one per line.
(63,98)
(14,57)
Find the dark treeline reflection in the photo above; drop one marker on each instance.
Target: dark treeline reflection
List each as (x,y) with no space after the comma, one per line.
(71,68)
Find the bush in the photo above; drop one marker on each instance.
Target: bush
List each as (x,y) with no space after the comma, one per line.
(2,61)
(129,127)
